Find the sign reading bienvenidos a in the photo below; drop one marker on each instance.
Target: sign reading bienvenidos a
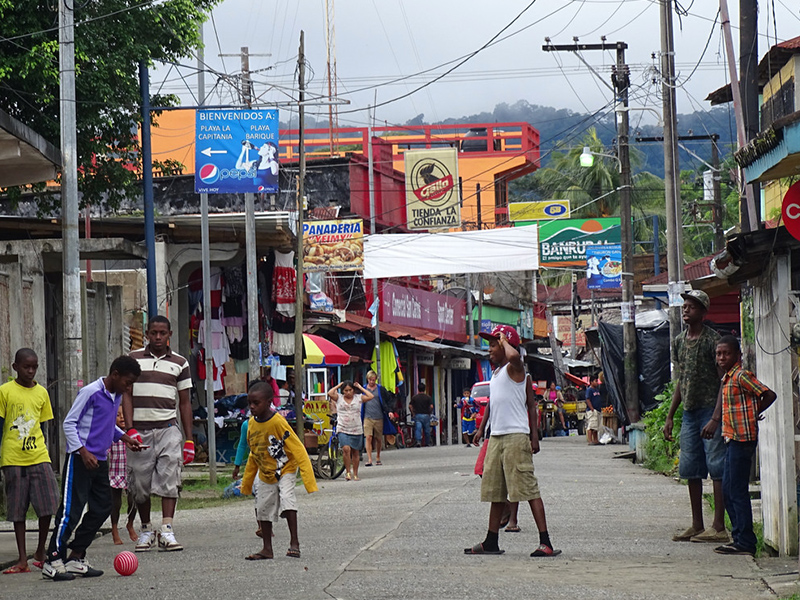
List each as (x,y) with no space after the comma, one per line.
(432,193)
(333,245)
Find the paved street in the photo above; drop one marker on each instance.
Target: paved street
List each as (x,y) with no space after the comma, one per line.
(400,533)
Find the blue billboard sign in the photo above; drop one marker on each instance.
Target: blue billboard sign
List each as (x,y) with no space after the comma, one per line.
(236,151)
(604,266)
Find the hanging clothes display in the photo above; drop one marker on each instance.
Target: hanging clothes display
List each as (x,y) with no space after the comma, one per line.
(284,284)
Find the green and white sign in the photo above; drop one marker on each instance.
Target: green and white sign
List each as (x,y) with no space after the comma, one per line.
(563,243)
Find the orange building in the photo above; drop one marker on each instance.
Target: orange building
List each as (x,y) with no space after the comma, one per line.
(489,157)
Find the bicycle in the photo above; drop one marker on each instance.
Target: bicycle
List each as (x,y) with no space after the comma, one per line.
(330,460)
(405,431)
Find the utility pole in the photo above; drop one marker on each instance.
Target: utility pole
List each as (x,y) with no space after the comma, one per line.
(373,231)
(206,258)
(747,206)
(73,342)
(251,245)
(470,319)
(478,199)
(301,190)
(621,81)
(748,82)
(671,175)
(719,235)
(147,193)
(716,204)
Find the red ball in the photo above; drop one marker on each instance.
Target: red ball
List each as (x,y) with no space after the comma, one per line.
(126,563)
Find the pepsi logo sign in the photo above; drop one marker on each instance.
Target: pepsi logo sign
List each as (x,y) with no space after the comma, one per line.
(209,173)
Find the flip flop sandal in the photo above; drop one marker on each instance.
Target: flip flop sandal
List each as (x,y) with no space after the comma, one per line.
(367,464)
(17,569)
(478,549)
(293,553)
(38,564)
(544,550)
(513,529)
(347,477)
(379,463)
(258,556)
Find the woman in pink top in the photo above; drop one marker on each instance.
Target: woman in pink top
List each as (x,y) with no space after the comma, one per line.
(555,396)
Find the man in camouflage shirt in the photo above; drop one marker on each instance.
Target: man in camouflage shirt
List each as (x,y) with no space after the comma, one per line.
(697,387)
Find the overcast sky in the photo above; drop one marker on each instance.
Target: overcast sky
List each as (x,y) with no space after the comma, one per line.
(381,40)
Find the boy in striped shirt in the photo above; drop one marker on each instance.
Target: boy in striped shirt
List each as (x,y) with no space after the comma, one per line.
(741,401)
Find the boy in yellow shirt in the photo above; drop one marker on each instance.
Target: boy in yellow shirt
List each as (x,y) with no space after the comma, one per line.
(27,473)
(275,455)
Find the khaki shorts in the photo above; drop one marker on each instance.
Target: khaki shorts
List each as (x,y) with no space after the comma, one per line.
(274,499)
(156,470)
(593,420)
(374,427)
(508,470)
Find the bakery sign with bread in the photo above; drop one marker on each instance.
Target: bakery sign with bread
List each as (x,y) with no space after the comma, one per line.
(333,245)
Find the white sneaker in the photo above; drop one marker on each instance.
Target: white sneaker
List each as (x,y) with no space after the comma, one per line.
(80,566)
(167,541)
(147,539)
(55,570)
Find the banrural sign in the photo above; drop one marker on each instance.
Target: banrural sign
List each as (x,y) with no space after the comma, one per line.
(563,243)
(432,193)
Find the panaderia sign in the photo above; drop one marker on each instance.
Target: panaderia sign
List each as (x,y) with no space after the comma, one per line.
(333,245)
(432,193)
(419,308)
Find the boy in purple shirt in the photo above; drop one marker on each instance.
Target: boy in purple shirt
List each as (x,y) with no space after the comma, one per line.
(90,429)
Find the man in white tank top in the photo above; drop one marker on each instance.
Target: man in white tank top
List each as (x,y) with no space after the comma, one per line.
(508,468)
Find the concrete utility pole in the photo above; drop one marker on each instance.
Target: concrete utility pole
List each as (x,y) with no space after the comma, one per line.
(373,231)
(621,81)
(251,258)
(206,258)
(671,175)
(301,190)
(73,342)
(147,193)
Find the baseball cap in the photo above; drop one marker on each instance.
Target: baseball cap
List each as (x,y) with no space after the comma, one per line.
(511,334)
(698,296)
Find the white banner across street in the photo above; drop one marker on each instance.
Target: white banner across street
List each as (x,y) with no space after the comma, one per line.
(486,251)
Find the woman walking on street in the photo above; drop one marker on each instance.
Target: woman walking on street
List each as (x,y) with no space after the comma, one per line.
(350,428)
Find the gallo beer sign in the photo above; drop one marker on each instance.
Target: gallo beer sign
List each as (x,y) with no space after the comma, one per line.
(791,210)
(432,194)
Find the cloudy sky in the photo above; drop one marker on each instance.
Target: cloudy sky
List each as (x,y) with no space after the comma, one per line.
(417,41)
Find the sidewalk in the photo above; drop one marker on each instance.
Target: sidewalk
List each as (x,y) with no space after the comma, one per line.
(400,533)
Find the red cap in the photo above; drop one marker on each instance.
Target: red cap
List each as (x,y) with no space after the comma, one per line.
(511,334)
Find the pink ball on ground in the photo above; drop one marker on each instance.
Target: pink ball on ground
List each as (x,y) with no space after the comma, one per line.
(126,563)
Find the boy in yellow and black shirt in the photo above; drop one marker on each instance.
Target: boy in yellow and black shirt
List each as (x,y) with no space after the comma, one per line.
(275,455)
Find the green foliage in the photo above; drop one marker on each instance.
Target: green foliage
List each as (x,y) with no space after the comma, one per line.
(661,455)
(111,37)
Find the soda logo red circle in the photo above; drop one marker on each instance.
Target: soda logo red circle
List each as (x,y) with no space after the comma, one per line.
(209,173)
(790,210)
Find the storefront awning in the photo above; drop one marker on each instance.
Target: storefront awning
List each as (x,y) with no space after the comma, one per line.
(449,350)
(570,363)
(485,251)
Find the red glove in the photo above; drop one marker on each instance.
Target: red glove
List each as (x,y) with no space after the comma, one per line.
(134,435)
(188,451)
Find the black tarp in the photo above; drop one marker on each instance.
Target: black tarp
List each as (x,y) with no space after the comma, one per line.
(653,361)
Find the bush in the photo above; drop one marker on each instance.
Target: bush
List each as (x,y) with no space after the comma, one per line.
(661,455)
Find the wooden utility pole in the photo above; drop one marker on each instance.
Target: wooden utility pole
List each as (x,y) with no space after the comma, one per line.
(373,230)
(748,84)
(747,206)
(631,364)
(301,190)
(621,81)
